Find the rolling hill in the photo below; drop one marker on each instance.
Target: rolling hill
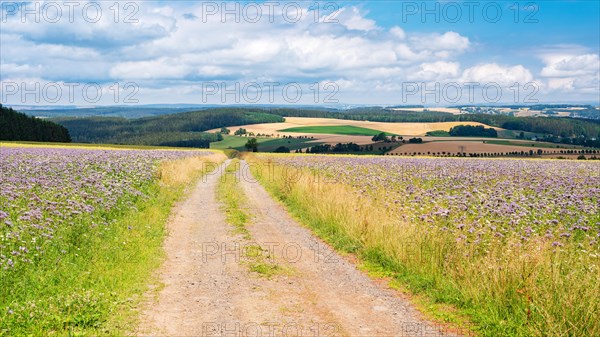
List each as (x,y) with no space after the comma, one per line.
(18,126)
(179,129)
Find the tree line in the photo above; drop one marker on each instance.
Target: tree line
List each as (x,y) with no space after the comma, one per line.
(18,126)
(472,131)
(181,129)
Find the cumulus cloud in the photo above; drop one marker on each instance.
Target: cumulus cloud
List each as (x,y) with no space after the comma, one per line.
(449,41)
(494,73)
(570,69)
(436,71)
(398,32)
(355,46)
(353,19)
(173,47)
(98,25)
(570,65)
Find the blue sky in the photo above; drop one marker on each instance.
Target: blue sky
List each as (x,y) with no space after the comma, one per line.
(347,52)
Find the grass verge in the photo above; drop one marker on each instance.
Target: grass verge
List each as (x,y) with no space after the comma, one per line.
(534,291)
(233,199)
(94,288)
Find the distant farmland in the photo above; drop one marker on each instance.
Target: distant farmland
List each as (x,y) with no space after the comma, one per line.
(335,130)
(403,129)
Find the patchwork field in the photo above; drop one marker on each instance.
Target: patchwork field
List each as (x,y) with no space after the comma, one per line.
(404,129)
(264,144)
(465,146)
(335,130)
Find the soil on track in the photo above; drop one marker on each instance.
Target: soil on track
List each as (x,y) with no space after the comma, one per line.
(209,288)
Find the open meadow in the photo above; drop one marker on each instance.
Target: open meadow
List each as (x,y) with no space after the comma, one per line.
(510,245)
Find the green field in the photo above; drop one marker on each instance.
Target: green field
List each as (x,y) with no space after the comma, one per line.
(264,144)
(348,130)
(513,134)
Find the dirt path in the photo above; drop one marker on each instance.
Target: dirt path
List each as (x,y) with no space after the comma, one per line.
(309,290)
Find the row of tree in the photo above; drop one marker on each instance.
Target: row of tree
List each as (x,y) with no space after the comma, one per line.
(538,152)
(337,148)
(18,126)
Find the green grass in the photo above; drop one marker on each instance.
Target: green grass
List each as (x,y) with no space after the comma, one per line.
(264,144)
(513,134)
(233,199)
(435,297)
(267,270)
(291,143)
(92,288)
(502,293)
(232,142)
(336,130)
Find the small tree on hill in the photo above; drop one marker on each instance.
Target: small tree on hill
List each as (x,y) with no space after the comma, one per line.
(252,145)
(381,137)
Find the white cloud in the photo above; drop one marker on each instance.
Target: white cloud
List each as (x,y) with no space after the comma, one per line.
(449,41)
(94,24)
(352,18)
(570,65)
(570,69)
(436,71)
(504,76)
(398,32)
(354,47)
(175,46)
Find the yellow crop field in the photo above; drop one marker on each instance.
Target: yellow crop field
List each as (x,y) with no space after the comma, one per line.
(404,129)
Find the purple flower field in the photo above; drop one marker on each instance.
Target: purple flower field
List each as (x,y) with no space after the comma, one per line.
(477,200)
(45,190)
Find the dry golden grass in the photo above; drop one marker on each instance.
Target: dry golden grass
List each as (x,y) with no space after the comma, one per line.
(404,129)
(185,170)
(510,289)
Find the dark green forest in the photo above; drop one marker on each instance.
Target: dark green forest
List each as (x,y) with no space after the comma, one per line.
(181,129)
(472,131)
(17,126)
